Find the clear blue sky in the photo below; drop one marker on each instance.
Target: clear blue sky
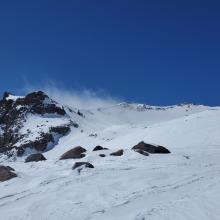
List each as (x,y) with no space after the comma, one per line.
(157,52)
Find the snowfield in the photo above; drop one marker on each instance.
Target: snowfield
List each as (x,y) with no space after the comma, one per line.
(183,185)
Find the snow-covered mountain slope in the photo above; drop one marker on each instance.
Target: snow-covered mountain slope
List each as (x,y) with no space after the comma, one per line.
(183,185)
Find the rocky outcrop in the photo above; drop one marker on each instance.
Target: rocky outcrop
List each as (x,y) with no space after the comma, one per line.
(117,153)
(75,153)
(40,144)
(80,164)
(150,148)
(102,155)
(35,158)
(6,173)
(40,103)
(14,112)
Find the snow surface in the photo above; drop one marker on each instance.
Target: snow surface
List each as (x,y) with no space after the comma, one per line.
(34,125)
(183,185)
(13,97)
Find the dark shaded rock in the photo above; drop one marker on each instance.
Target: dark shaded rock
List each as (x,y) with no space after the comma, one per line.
(149,148)
(93,135)
(34,98)
(62,130)
(162,150)
(35,158)
(102,155)
(79,164)
(117,153)
(6,173)
(40,103)
(20,151)
(99,148)
(80,114)
(75,153)
(40,144)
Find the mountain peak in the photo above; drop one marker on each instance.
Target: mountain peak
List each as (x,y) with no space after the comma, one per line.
(31,122)
(6,95)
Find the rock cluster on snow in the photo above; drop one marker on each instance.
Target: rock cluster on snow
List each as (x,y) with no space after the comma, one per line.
(78,152)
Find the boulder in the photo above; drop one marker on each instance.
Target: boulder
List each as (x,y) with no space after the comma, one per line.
(150,148)
(117,153)
(75,153)
(35,158)
(6,173)
(99,148)
(102,155)
(85,164)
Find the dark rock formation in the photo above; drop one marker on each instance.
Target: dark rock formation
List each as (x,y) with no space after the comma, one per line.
(117,153)
(62,130)
(97,148)
(13,114)
(85,164)
(6,173)
(40,103)
(80,114)
(40,144)
(75,153)
(35,158)
(102,155)
(149,148)
(93,135)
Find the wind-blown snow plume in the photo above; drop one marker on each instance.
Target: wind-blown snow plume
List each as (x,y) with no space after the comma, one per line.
(82,99)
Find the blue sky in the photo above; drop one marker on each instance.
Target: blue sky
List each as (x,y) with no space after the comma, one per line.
(156,52)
